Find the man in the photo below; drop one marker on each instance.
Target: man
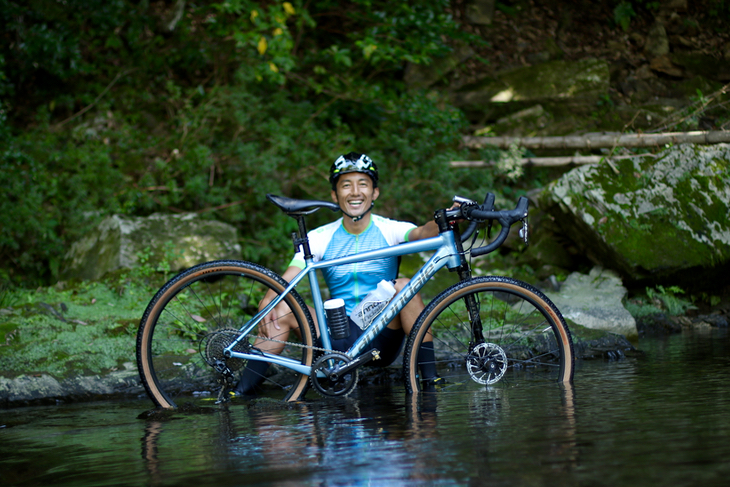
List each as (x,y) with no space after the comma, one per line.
(354,180)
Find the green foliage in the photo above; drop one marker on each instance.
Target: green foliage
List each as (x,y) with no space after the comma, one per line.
(262,33)
(117,109)
(87,327)
(660,300)
(147,268)
(52,189)
(673,303)
(622,15)
(626,10)
(720,9)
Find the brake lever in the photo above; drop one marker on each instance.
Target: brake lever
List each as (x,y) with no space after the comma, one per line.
(523,231)
(489,204)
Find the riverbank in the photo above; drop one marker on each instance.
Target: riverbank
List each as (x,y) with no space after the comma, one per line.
(590,345)
(75,341)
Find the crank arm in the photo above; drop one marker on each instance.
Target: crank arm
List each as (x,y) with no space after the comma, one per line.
(361,360)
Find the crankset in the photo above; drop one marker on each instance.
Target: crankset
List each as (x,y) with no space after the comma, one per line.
(335,374)
(327,378)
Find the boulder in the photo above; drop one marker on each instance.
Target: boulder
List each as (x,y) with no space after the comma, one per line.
(653,218)
(559,80)
(595,301)
(178,241)
(566,91)
(43,388)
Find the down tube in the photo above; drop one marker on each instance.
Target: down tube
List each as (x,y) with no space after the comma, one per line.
(439,260)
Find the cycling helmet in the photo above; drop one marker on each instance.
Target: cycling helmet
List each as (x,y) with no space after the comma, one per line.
(353,162)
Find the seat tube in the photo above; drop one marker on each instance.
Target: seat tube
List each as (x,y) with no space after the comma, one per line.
(318,308)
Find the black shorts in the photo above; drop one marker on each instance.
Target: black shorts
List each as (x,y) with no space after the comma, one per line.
(388,343)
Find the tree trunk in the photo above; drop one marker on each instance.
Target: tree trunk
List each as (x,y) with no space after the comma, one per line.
(599,140)
(547,161)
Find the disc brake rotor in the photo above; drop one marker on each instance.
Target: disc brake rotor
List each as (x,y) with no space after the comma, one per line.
(486,363)
(326,383)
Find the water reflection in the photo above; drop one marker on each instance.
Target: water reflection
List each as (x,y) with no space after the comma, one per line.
(385,438)
(659,419)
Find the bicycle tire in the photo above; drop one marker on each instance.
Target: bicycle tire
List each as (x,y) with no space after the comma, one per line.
(194,316)
(524,337)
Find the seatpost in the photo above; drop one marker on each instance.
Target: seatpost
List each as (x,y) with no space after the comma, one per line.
(302,238)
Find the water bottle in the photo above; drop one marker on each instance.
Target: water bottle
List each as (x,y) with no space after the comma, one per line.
(337,320)
(365,312)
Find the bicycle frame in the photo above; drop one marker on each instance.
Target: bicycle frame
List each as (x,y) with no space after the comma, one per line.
(446,254)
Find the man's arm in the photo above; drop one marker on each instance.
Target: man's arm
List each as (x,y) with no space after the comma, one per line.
(428,230)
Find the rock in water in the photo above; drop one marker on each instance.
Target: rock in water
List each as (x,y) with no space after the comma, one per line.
(595,301)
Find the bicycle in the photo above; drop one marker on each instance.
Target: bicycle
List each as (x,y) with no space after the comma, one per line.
(200,327)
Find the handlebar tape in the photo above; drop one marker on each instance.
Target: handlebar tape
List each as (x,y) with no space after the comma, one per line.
(505,218)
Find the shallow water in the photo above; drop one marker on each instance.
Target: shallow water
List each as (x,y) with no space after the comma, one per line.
(660,419)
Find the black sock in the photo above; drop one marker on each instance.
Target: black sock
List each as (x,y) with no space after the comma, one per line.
(252,376)
(427,360)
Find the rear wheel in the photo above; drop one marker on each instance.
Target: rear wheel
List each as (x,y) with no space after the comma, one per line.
(197,314)
(491,331)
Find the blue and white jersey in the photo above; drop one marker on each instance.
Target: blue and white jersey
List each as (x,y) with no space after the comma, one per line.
(353,282)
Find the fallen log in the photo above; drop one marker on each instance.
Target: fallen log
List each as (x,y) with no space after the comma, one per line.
(600,140)
(548,161)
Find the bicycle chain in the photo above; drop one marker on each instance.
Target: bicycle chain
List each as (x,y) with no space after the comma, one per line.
(300,345)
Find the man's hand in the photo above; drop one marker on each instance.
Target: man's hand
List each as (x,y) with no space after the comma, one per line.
(270,327)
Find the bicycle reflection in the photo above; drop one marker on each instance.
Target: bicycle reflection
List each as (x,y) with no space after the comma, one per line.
(357,441)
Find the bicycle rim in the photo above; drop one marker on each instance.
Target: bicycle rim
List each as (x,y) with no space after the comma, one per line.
(196,315)
(513,335)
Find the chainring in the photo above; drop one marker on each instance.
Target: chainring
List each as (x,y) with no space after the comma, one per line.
(213,345)
(325,383)
(486,363)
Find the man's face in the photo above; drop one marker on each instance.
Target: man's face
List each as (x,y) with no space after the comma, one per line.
(355,193)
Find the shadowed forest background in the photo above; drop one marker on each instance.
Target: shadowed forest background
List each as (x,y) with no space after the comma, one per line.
(136,107)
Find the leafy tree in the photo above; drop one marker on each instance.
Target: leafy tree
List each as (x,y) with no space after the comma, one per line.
(134,107)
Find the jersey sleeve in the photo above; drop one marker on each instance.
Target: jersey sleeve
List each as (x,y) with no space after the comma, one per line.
(394,231)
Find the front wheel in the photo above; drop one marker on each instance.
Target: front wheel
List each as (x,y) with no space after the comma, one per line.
(490,331)
(197,314)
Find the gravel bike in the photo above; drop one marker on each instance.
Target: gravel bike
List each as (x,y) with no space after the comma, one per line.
(200,328)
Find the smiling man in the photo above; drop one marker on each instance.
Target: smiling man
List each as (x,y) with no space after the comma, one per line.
(354,180)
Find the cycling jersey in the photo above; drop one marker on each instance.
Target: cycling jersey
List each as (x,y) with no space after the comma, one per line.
(353,282)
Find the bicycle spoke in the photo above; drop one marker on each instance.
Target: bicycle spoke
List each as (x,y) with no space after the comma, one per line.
(194,317)
(524,337)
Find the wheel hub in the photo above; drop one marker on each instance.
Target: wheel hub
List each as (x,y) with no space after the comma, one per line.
(486,363)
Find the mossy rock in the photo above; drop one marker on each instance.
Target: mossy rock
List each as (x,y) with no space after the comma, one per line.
(655,217)
(582,80)
(173,241)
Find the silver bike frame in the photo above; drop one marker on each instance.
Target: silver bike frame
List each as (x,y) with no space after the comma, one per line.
(446,255)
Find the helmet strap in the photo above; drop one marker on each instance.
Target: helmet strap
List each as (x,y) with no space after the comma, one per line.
(358,218)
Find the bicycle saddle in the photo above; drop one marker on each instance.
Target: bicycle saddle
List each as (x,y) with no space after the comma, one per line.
(294,207)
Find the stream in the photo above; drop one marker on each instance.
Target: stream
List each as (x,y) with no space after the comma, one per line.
(657,419)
